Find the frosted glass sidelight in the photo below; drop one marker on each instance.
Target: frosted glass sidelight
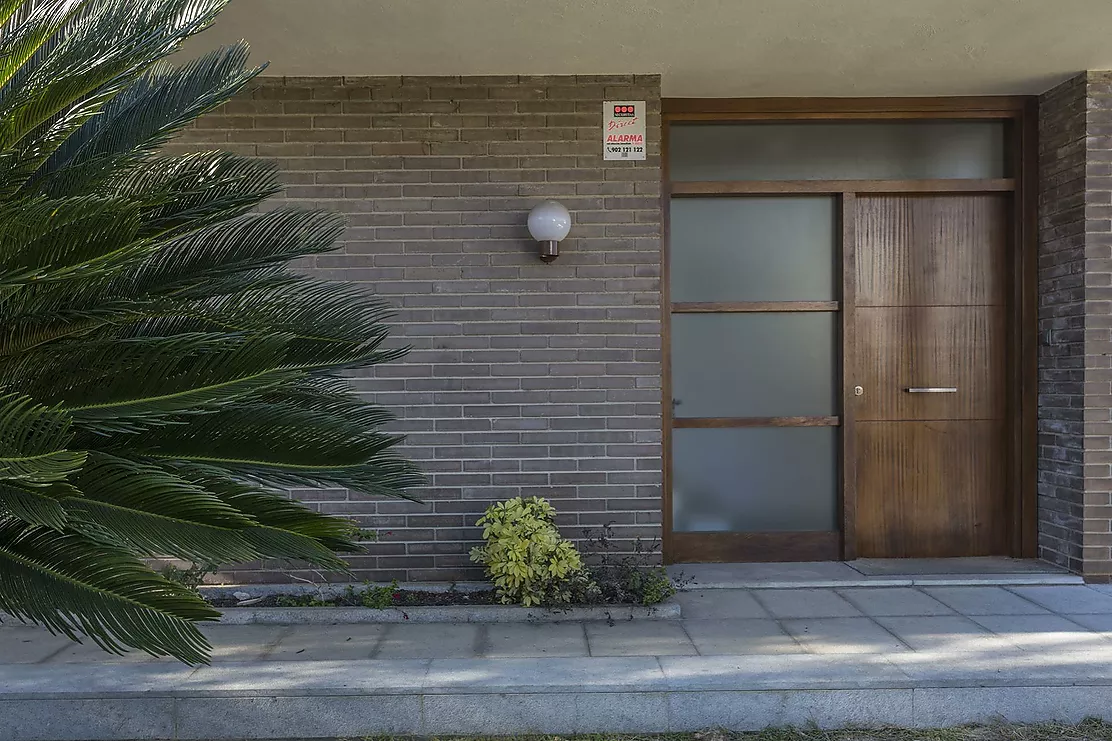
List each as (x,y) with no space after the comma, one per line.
(837,151)
(754,365)
(755,479)
(753,249)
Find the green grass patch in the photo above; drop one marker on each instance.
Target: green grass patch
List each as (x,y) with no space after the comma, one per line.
(1088,730)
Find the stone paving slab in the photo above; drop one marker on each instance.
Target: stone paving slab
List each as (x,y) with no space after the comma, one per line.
(1010,666)
(639,639)
(1099,623)
(802,671)
(843,635)
(1043,633)
(719,603)
(716,637)
(427,641)
(266,678)
(29,645)
(956,634)
(806,603)
(894,601)
(1076,600)
(984,601)
(564,640)
(323,642)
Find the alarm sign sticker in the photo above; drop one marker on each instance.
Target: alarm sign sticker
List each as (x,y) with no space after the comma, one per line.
(623,130)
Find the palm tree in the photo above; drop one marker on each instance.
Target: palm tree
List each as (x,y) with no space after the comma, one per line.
(163,371)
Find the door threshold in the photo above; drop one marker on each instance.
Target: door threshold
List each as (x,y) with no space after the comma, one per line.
(959,572)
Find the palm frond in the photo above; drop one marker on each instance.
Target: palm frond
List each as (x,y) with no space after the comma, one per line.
(41,21)
(276,511)
(12,11)
(284,445)
(128,384)
(143,116)
(72,585)
(33,442)
(40,505)
(153,512)
(191,191)
(285,528)
(155,535)
(214,260)
(164,371)
(18,164)
(329,325)
(25,333)
(104,44)
(75,238)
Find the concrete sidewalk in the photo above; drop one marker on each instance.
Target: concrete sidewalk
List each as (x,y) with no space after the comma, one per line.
(739,659)
(889,620)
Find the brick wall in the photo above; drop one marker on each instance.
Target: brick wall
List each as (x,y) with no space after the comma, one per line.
(1061,483)
(524,378)
(1075,325)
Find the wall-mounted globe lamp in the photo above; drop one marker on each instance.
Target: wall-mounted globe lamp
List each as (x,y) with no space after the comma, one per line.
(549,223)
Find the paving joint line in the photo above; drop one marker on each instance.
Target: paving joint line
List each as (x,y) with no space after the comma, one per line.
(269,648)
(683,627)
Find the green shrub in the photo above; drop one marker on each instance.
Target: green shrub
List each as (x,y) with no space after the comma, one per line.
(379,598)
(525,556)
(627,577)
(191,577)
(302,600)
(645,585)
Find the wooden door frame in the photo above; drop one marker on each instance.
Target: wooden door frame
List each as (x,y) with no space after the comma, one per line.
(1020,115)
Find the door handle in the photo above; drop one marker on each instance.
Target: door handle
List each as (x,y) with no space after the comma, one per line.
(932,390)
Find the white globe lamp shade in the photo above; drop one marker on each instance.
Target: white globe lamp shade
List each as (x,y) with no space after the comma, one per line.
(549,223)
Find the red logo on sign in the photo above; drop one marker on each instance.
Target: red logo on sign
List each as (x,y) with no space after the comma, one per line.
(623,110)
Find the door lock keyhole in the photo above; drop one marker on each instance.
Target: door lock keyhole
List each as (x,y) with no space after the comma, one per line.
(858,391)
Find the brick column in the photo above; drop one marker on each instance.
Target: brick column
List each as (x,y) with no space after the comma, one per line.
(1075,325)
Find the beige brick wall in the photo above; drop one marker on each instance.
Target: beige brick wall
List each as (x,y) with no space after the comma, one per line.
(524,378)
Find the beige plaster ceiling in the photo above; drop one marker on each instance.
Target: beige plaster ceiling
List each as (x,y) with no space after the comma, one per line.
(713,48)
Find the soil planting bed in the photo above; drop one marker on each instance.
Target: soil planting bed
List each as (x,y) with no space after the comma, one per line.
(399,598)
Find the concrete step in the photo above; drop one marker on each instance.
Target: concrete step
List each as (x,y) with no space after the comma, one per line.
(332,699)
(944,572)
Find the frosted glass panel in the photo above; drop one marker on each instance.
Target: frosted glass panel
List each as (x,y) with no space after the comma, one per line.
(758,479)
(835,151)
(754,365)
(753,249)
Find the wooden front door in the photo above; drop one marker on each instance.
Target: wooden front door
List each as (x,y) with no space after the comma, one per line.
(849,329)
(932,275)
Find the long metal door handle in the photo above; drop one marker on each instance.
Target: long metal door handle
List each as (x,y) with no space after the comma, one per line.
(933,390)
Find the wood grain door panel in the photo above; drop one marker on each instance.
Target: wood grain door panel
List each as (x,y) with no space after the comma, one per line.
(930,346)
(938,250)
(937,492)
(932,280)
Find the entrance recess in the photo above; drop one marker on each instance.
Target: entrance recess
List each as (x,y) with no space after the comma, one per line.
(847,356)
